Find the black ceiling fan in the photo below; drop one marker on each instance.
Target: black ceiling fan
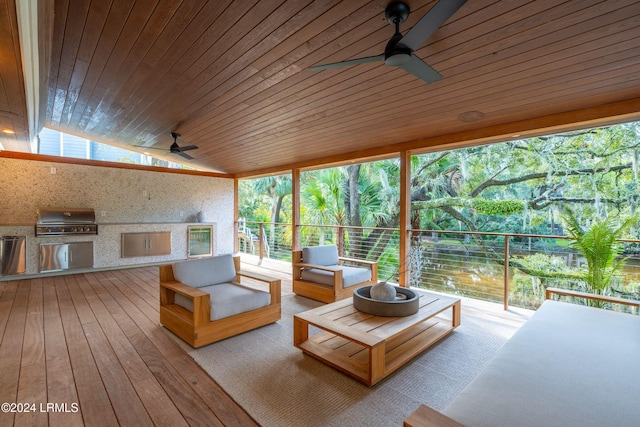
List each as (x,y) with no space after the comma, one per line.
(180,151)
(175,148)
(399,50)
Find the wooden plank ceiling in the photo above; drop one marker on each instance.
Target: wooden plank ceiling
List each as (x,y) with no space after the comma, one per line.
(232,77)
(13,118)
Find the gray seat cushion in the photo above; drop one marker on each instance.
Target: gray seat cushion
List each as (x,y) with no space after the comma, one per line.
(228,299)
(320,255)
(351,276)
(205,271)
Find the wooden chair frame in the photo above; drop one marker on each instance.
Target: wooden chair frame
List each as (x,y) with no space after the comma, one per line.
(195,327)
(324,293)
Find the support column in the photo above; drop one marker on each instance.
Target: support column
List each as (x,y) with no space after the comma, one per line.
(236,246)
(295,207)
(405,217)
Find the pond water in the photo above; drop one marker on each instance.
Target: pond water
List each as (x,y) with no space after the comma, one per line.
(474,274)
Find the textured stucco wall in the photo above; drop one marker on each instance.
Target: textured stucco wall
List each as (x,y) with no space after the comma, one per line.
(126,196)
(122,199)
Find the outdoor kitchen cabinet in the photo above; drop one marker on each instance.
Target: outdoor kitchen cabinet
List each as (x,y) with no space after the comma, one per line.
(146,244)
(65,256)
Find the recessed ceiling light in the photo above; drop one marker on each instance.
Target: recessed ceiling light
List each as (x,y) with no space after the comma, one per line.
(471,116)
(8,131)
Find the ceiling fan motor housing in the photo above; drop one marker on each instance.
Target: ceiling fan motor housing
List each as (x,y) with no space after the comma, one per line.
(394,54)
(397,12)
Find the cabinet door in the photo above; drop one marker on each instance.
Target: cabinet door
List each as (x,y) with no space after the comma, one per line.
(134,244)
(159,243)
(80,255)
(146,244)
(54,256)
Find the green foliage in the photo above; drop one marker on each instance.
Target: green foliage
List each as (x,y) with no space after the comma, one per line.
(516,187)
(534,274)
(498,207)
(547,266)
(600,247)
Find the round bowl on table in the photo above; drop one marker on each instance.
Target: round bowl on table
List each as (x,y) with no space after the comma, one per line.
(405,304)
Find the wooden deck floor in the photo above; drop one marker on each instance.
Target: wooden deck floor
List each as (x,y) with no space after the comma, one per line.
(88,349)
(91,347)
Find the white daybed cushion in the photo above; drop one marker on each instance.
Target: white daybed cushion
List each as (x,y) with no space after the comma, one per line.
(568,365)
(351,276)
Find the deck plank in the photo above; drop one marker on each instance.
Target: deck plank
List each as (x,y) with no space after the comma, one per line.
(93,398)
(95,340)
(7,296)
(151,394)
(32,387)
(10,354)
(61,386)
(192,408)
(215,398)
(127,405)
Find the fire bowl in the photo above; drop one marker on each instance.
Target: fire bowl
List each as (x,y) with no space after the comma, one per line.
(405,304)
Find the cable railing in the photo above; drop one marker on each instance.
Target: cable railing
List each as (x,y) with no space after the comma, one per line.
(365,243)
(266,240)
(512,269)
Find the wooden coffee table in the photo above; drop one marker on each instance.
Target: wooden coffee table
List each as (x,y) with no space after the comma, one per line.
(368,347)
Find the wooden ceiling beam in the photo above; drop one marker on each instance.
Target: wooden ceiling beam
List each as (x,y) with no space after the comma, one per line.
(607,114)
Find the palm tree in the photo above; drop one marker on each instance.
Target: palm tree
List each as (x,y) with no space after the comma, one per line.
(600,247)
(277,188)
(322,195)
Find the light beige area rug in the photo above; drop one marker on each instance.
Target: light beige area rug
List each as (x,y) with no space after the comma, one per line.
(280,386)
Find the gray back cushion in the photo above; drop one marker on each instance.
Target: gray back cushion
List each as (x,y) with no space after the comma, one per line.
(205,271)
(320,255)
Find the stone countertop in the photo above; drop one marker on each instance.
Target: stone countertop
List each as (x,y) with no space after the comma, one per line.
(107,243)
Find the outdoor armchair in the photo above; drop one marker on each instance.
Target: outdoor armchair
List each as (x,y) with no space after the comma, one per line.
(319,274)
(202,301)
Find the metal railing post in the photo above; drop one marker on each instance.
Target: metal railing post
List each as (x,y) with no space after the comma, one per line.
(261,239)
(506,272)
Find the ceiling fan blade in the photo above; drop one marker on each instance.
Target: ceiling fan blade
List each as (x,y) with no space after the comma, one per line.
(149,148)
(429,23)
(421,69)
(188,147)
(185,155)
(348,62)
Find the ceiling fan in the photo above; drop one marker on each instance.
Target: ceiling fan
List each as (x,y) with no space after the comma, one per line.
(399,50)
(180,151)
(175,148)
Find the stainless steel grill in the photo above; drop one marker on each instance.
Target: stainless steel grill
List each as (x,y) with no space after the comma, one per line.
(61,222)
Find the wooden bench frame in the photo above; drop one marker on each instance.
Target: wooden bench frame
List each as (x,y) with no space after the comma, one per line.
(425,416)
(195,327)
(324,293)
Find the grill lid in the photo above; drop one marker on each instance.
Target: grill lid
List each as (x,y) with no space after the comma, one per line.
(66,216)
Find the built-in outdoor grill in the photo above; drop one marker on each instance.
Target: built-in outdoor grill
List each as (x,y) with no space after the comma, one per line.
(62,222)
